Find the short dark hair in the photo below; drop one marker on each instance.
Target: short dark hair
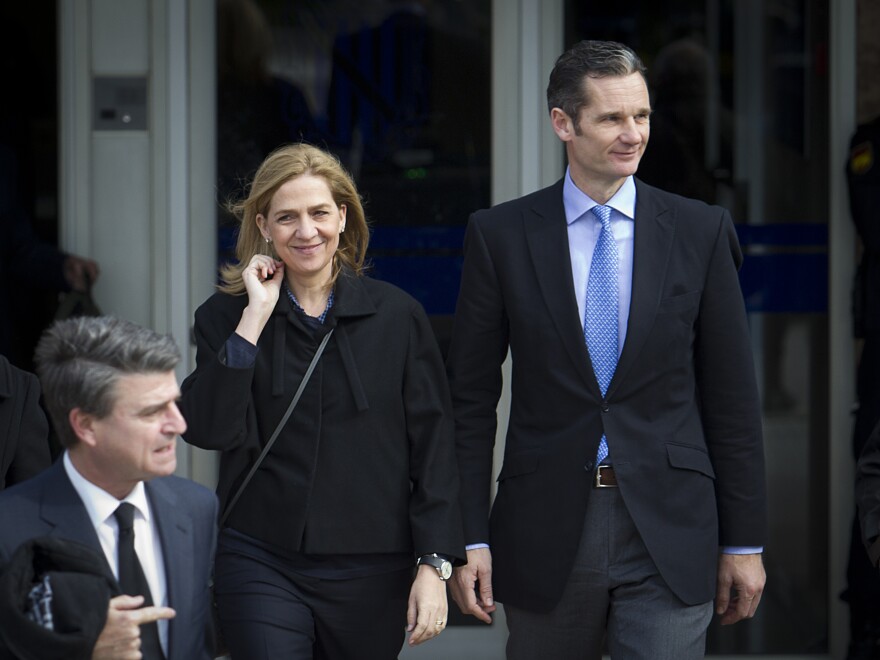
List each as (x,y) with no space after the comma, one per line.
(79,361)
(596,59)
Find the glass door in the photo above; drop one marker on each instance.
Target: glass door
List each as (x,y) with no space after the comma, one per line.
(400,91)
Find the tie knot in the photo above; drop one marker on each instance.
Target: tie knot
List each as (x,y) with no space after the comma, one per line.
(125,516)
(603,213)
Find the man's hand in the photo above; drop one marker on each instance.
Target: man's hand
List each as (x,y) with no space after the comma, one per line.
(80,272)
(427,612)
(121,637)
(744,577)
(475,575)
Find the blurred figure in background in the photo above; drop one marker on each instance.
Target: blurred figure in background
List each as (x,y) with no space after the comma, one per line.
(257,111)
(863,582)
(24,431)
(28,263)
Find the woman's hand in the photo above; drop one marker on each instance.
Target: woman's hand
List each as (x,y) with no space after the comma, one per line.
(262,280)
(427,613)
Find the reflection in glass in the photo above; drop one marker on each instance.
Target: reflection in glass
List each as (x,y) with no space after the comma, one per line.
(398,90)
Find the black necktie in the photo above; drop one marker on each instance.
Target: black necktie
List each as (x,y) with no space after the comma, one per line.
(133,581)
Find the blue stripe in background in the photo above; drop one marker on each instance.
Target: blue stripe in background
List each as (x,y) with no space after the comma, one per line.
(426,262)
(789,282)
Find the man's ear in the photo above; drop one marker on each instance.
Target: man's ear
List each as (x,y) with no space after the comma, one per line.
(562,124)
(83,425)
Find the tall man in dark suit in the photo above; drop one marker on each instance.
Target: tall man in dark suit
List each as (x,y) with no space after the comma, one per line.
(632,491)
(111,391)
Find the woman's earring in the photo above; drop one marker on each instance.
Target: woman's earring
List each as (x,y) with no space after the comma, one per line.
(267,239)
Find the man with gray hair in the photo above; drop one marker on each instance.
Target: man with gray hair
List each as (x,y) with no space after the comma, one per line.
(111,392)
(632,490)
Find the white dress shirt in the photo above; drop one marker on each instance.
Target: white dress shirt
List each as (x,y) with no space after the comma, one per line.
(100,506)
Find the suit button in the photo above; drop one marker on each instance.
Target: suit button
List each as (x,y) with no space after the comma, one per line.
(605,407)
(589,466)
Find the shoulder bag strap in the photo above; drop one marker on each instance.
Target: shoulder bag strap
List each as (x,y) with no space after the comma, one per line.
(278,428)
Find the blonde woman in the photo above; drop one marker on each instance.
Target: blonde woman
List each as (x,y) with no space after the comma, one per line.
(342,539)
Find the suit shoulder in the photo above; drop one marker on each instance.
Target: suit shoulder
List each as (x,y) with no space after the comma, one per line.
(502,212)
(675,200)
(696,214)
(189,490)
(184,485)
(28,489)
(20,507)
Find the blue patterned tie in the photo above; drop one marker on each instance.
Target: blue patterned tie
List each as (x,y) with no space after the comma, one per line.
(601,316)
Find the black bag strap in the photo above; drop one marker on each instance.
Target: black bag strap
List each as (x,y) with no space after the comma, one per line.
(278,428)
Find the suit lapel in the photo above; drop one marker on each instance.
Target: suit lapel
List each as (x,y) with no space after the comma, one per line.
(654,231)
(64,512)
(547,237)
(178,553)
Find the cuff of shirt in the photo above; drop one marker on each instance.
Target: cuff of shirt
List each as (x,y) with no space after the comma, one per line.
(742,550)
(476,546)
(240,353)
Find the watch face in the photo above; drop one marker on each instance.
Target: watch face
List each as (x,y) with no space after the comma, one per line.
(443,566)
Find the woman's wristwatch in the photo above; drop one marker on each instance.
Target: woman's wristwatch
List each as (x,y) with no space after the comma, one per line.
(440,562)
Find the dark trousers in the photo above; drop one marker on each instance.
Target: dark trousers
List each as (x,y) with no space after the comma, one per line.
(615,595)
(268,612)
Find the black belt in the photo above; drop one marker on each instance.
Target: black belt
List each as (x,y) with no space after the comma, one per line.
(605,477)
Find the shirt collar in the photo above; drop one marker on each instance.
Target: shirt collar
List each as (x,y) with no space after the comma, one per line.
(100,505)
(577,202)
(296,305)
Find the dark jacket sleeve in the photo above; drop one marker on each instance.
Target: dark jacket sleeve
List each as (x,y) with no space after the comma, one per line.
(478,349)
(730,408)
(215,396)
(435,515)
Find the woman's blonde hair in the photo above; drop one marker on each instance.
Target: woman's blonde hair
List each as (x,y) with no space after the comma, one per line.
(279,167)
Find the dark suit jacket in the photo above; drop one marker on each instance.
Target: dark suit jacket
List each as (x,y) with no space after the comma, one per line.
(186,515)
(681,414)
(24,432)
(868,494)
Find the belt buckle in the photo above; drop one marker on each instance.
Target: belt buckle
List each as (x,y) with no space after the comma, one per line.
(598,482)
